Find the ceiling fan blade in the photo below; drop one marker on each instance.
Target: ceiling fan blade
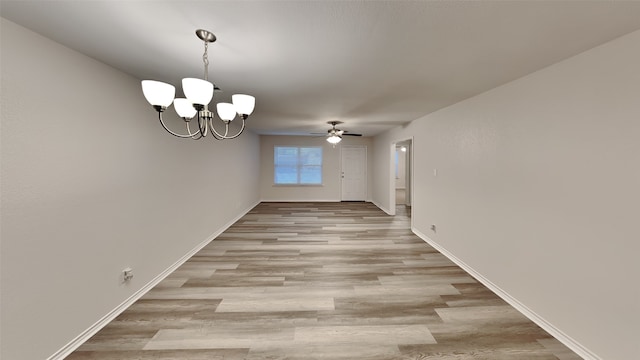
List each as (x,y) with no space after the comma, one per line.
(337,132)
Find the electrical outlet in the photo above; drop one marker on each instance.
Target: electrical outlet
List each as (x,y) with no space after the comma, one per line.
(433,228)
(127,274)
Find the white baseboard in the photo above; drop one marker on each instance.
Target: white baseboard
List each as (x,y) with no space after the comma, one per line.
(540,321)
(85,335)
(298,200)
(307,200)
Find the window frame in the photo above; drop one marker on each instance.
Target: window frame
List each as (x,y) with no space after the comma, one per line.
(299,165)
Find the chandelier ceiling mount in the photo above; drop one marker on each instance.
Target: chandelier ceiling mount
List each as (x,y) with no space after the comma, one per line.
(206,35)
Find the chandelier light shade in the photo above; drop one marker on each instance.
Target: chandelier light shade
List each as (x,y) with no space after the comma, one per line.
(226,111)
(244,103)
(158,93)
(198,93)
(184,108)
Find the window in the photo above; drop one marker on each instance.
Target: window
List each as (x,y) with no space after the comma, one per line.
(297,165)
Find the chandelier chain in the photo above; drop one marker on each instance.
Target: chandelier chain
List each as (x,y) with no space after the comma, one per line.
(205,60)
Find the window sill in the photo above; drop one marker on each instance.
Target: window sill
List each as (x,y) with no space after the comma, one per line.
(298,185)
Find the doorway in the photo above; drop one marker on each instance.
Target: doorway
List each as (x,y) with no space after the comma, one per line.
(401,189)
(354,173)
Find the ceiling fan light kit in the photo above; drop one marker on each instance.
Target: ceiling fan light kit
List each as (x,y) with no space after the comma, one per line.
(198,93)
(334,135)
(334,139)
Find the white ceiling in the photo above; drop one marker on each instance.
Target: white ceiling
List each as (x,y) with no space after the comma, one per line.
(371,64)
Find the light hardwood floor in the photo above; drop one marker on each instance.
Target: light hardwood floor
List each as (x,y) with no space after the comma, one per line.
(321,281)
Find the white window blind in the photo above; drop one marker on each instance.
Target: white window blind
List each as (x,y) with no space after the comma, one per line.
(297,165)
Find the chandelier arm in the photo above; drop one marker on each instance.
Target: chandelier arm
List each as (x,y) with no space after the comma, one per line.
(217,135)
(214,133)
(171,132)
(203,129)
(196,133)
(226,129)
(240,132)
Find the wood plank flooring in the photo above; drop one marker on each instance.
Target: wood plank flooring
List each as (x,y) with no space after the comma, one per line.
(321,281)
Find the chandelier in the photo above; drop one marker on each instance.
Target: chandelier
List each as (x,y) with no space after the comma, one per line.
(198,93)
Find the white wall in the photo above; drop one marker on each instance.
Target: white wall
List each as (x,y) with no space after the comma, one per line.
(331,187)
(92,184)
(538,190)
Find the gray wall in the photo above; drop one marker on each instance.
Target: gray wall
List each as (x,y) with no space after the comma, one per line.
(538,192)
(92,184)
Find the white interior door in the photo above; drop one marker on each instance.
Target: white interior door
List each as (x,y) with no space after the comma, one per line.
(354,173)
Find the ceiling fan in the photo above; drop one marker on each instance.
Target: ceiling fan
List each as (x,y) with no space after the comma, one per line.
(334,135)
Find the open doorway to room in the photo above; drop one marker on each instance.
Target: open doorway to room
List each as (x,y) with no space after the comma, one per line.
(402,184)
